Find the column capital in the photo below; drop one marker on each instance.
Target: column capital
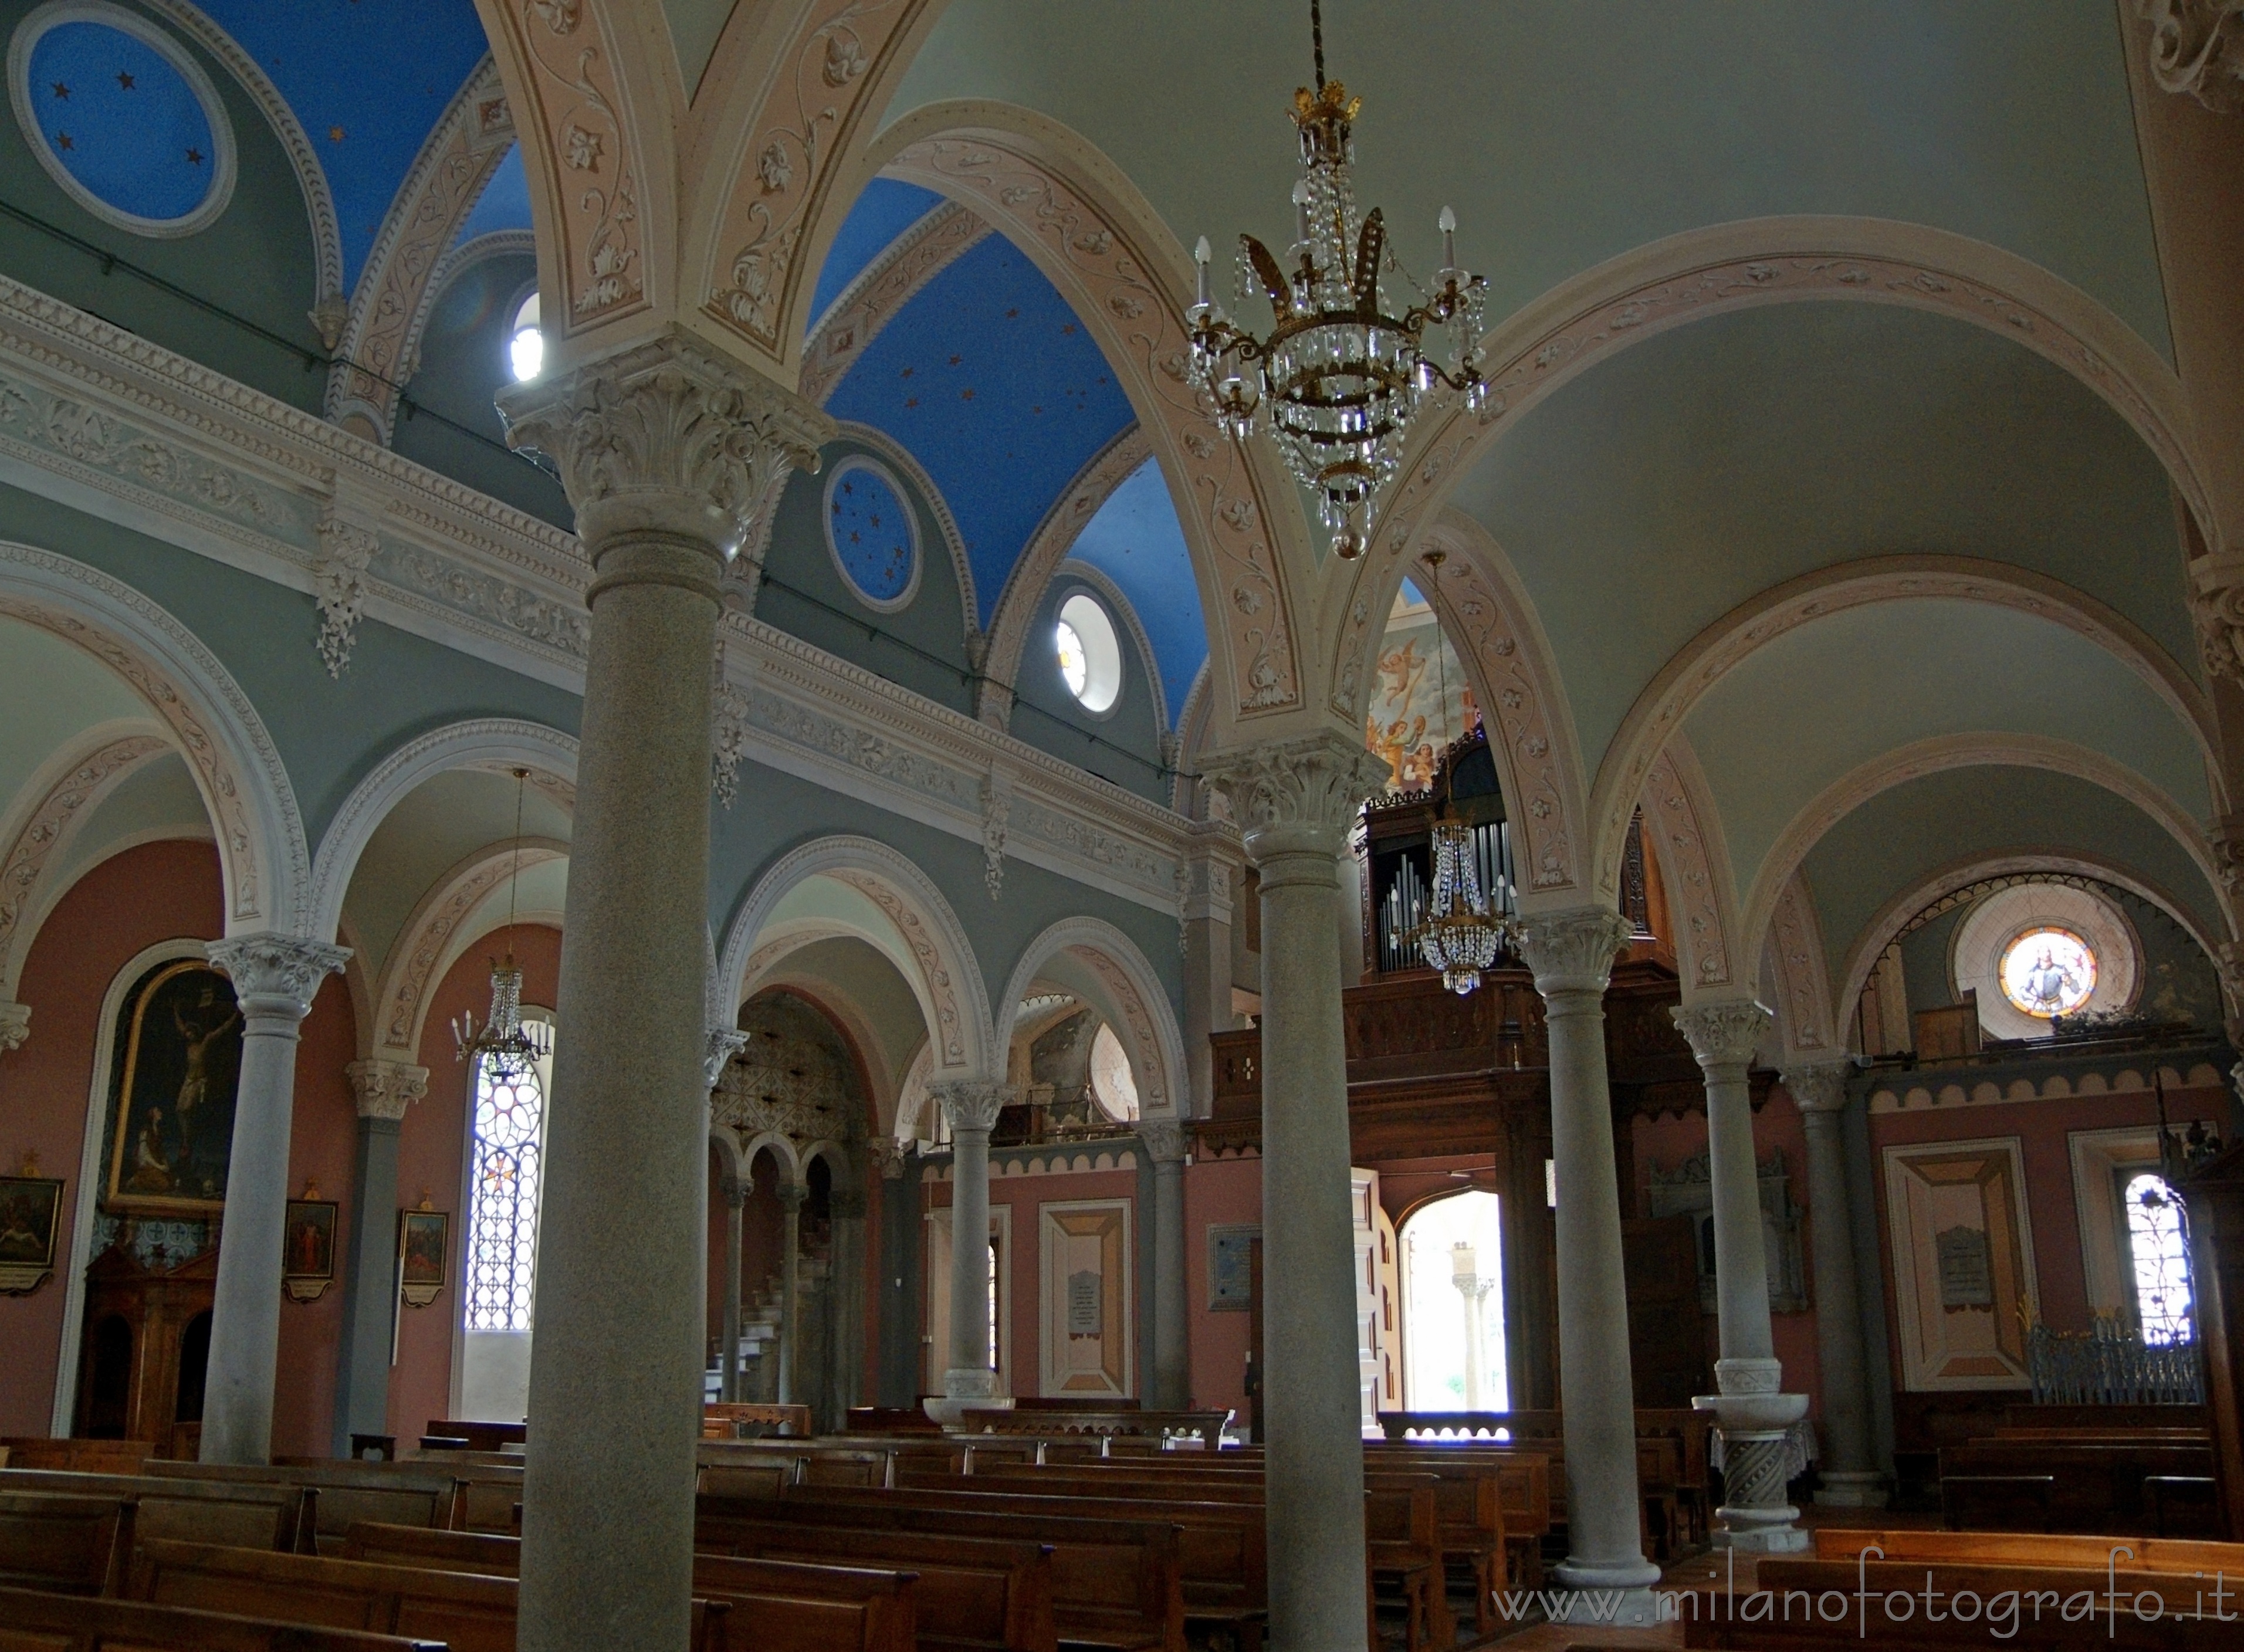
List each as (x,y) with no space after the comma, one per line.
(1165,1140)
(734,1189)
(2197,49)
(15,1025)
(972,1104)
(1724,1035)
(275,974)
(791,1195)
(887,1154)
(1572,950)
(668,439)
(720,1046)
(385,1089)
(1296,795)
(1819,1087)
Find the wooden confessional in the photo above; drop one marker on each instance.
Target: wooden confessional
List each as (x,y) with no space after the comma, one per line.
(145,1349)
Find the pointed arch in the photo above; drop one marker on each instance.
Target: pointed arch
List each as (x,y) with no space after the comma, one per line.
(945,976)
(1666,702)
(244,786)
(485,742)
(1104,967)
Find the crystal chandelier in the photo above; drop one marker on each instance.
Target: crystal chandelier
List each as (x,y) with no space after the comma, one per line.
(1459,937)
(511,1046)
(1340,377)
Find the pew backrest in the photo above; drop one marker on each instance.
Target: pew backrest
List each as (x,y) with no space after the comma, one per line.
(394,1493)
(2033,1548)
(63,1623)
(280,1517)
(801,1607)
(66,1545)
(472,1612)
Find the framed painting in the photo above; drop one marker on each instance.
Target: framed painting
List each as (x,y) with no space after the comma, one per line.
(31,1213)
(308,1249)
(421,1255)
(173,1078)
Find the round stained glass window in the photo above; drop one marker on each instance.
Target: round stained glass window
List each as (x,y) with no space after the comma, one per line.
(122,118)
(870,532)
(2048,972)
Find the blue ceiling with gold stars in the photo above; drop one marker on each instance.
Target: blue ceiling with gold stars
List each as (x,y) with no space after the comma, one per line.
(122,120)
(1136,540)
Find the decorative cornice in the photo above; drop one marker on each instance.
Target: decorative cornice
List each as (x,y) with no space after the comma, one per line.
(2197,48)
(1723,1035)
(1572,950)
(385,1089)
(872,300)
(972,1104)
(2117,1075)
(275,975)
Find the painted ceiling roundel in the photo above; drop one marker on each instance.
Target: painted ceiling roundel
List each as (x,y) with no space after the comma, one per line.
(869,528)
(121,118)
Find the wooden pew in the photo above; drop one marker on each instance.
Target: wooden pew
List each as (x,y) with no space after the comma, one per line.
(480,1436)
(469,1612)
(280,1518)
(65,1545)
(396,1493)
(1115,1581)
(84,1456)
(971,1593)
(2033,1548)
(2089,1487)
(61,1623)
(1204,1425)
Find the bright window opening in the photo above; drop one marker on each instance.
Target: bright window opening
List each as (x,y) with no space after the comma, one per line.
(2159,1253)
(1453,1352)
(525,345)
(1112,1081)
(507,1178)
(1089,654)
(2048,972)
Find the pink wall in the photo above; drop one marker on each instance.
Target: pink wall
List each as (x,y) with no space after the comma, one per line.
(432,1144)
(158,893)
(1217,1192)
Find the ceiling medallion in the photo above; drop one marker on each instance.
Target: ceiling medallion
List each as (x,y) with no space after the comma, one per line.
(1340,377)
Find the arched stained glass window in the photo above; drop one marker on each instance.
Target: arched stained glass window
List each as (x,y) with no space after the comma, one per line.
(506,1178)
(2159,1252)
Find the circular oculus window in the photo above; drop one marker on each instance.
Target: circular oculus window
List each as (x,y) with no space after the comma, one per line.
(2047,971)
(1089,654)
(122,118)
(872,535)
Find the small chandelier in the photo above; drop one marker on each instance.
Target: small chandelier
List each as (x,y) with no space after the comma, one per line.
(511,1046)
(1340,378)
(1459,937)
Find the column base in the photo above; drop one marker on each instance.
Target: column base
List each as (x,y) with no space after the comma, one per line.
(1597,1606)
(1584,1576)
(962,1391)
(1760,1530)
(1852,1491)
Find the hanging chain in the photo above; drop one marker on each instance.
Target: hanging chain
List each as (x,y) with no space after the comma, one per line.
(1317,40)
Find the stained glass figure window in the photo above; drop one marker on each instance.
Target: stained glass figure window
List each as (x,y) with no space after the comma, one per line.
(2048,972)
(508,1162)
(869,528)
(2159,1252)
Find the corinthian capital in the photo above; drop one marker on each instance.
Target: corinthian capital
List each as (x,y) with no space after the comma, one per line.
(1819,1087)
(972,1104)
(2197,47)
(1298,794)
(1164,1140)
(668,437)
(1724,1034)
(1572,950)
(720,1045)
(385,1089)
(275,974)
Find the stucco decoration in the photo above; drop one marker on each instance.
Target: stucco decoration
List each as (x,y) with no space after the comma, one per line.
(1684,830)
(946,979)
(1500,642)
(1121,986)
(60,800)
(385,1089)
(1298,795)
(1107,254)
(434,936)
(236,767)
(380,347)
(1047,548)
(782,142)
(1772,261)
(1805,1014)
(2197,47)
(338,586)
(502,743)
(1932,756)
(882,289)
(1665,703)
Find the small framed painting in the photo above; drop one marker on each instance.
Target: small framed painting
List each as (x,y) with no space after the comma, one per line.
(308,1247)
(1230,1266)
(421,1255)
(30,1212)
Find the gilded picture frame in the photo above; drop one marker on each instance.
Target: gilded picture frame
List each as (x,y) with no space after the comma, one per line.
(422,1252)
(175,1069)
(31,1218)
(308,1249)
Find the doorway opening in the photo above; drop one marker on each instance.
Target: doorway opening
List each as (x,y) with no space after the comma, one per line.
(1453,1345)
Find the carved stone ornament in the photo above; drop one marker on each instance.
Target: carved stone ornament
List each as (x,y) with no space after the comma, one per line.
(385,1089)
(1724,1035)
(971,1104)
(1572,950)
(2217,600)
(339,585)
(2197,47)
(722,1044)
(1164,1139)
(1819,1087)
(888,1157)
(15,1025)
(728,733)
(667,437)
(275,974)
(996,810)
(1298,794)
